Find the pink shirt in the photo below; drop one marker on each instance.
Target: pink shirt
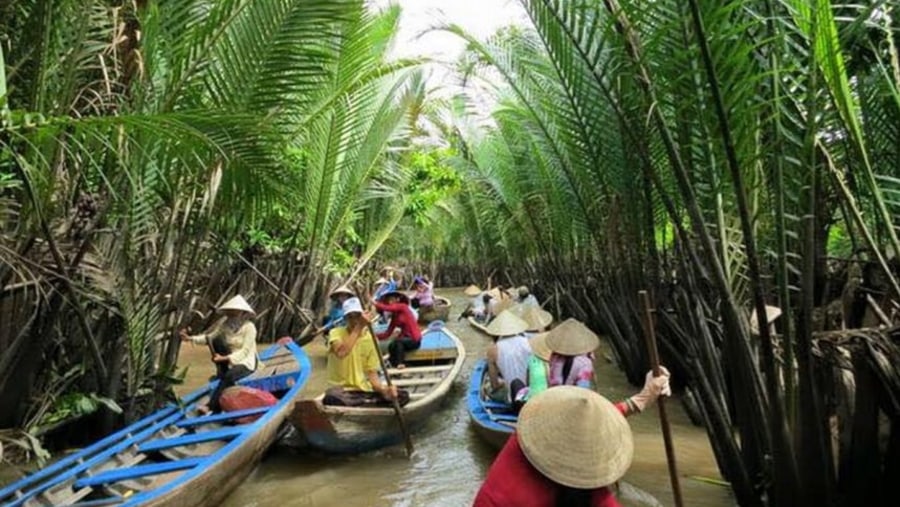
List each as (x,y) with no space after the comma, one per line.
(581,374)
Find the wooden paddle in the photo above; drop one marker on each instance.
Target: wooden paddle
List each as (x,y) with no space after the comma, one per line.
(650,334)
(387,380)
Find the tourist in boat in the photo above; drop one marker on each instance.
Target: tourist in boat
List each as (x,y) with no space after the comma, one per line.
(403,323)
(423,299)
(382,286)
(353,364)
(565,356)
(335,316)
(232,340)
(507,357)
(545,463)
(476,307)
(525,297)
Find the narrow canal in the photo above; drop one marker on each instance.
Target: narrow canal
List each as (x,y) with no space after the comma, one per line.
(450,460)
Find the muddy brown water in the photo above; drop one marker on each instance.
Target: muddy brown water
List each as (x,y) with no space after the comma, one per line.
(450,461)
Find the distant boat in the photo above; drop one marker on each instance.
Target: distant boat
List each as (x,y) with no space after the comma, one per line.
(494,422)
(173,456)
(429,373)
(440,311)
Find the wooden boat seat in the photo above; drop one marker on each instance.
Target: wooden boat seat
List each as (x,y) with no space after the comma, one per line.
(420,369)
(407,382)
(112,500)
(496,405)
(220,417)
(119,474)
(503,417)
(193,438)
(64,494)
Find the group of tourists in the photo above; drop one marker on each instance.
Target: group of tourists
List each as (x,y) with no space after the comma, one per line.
(487,304)
(571,443)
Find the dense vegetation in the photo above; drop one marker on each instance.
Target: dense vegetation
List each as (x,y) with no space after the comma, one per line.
(156,157)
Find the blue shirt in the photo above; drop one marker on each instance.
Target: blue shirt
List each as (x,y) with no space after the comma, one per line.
(385,288)
(335,317)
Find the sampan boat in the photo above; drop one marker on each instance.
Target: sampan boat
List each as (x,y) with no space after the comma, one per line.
(440,311)
(494,422)
(173,456)
(429,373)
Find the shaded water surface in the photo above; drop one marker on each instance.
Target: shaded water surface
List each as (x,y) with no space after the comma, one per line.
(450,461)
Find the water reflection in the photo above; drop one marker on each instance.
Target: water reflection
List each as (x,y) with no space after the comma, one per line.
(450,460)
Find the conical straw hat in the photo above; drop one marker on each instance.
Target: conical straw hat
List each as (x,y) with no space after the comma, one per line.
(538,344)
(237,303)
(575,437)
(572,338)
(506,324)
(343,289)
(536,318)
(472,290)
(503,305)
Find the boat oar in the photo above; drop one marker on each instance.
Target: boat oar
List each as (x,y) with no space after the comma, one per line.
(650,334)
(396,403)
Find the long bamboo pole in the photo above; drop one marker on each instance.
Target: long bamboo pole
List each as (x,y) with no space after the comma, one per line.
(650,335)
(387,379)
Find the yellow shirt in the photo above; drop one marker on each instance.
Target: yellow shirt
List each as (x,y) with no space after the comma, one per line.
(349,372)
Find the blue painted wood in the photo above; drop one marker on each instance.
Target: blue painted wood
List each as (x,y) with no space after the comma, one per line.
(110,500)
(193,438)
(223,416)
(78,468)
(478,407)
(504,417)
(121,474)
(301,377)
(496,405)
(73,466)
(436,339)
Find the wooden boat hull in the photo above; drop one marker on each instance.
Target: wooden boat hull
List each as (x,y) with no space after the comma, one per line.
(212,460)
(493,425)
(429,374)
(477,325)
(440,311)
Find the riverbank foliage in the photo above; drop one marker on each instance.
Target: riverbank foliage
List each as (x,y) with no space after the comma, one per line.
(157,157)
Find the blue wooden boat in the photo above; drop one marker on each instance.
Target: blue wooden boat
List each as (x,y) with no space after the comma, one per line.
(429,373)
(494,422)
(174,456)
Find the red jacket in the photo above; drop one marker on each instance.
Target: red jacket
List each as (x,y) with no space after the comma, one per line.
(512,481)
(401,317)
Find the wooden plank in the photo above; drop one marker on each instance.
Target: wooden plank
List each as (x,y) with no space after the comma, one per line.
(222,416)
(121,474)
(504,417)
(194,438)
(112,500)
(429,355)
(496,405)
(420,369)
(406,382)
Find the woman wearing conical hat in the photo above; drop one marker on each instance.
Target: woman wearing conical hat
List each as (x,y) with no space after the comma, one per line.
(507,357)
(564,356)
(232,340)
(570,445)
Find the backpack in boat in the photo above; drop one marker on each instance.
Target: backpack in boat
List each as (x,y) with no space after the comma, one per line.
(342,397)
(242,398)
